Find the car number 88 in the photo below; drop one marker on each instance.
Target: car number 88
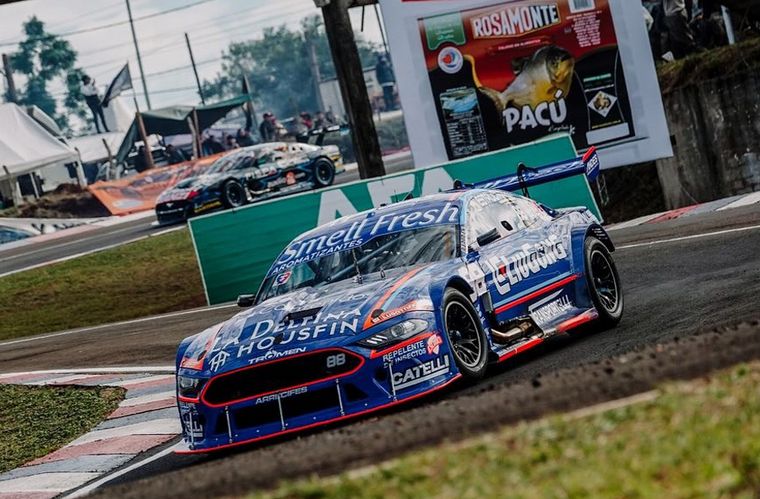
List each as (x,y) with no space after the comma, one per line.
(336,360)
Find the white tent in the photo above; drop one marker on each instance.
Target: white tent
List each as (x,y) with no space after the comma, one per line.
(96,148)
(25,146)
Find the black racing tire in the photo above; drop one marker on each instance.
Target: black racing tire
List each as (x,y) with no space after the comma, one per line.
(233,194)
(603,283)
(324,173)
(467,339)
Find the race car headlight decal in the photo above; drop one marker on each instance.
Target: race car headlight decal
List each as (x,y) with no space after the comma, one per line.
(190,387)
(393,334)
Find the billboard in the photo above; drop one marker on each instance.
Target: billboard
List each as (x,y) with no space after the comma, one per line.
(140,192)
(478,76)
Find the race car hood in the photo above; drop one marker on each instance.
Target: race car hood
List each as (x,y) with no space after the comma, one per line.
(308,319)
(180,191)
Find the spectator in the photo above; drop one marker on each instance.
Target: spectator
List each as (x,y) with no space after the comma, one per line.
(141,164)
(230,143)
(307,120)
(174,155)
(320,121)
(679,32)
(268,128)
(387,80)
(211,145)
(244,138)
(90,93)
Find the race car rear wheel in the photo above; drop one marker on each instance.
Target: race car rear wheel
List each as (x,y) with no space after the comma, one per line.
(466,336)
(233,194)
(603,283)
(324,172)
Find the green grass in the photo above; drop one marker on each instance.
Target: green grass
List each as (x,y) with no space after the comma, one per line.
(38,420)
(151,276)
(697,439)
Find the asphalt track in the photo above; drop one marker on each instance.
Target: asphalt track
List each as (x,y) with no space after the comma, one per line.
(692,288)
(19,258)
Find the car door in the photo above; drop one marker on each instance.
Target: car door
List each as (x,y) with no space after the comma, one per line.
(524,257)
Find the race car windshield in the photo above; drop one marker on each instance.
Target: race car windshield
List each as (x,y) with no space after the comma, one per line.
(232,162)
(383,253)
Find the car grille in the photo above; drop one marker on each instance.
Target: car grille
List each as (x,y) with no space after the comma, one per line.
(176,213)
(280,375)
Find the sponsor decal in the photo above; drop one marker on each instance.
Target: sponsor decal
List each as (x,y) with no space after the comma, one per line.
(450,60)
(550,308)
(359,231)
(546,114)
(283,278)
(416,305)
(218,360)
(529,260)
(416,349)
(266,334)
(421,373)
(282,395)
(434,344)
(190,422)
(515,21)
(274,354)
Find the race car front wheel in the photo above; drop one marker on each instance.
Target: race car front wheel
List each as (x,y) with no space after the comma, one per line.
(233,194)
(324,172)
(466,336)
(603,283)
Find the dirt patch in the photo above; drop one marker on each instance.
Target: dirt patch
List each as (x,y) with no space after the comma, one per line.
(66,201)
(461,414)
(722,62)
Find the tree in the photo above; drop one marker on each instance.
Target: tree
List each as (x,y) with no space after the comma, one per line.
(277,67)
(41,58)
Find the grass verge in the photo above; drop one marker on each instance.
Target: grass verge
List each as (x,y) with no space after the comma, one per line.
(37,420)
(151,276)
(697,439)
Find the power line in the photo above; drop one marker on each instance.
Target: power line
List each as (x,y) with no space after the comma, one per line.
(114,24)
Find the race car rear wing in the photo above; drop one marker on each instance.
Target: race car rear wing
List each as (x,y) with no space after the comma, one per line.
(528,177)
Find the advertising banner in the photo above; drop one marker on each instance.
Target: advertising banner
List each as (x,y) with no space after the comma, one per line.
(235,248)
(139,192)
(478,76)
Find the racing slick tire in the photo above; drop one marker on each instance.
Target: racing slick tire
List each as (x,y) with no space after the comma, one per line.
(324,173)
(603,283)
(233,194)
(467,339)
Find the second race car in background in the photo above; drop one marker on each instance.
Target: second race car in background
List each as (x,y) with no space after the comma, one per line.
(251,174)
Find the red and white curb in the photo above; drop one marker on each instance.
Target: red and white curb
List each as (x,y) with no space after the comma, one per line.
(712,206)
(145,419)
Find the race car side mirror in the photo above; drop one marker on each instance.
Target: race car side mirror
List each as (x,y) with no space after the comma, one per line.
(245,301)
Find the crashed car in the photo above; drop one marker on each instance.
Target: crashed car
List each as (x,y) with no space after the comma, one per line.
(250,174)
(388,305)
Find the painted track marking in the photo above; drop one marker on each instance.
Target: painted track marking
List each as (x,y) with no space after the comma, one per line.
(687,238)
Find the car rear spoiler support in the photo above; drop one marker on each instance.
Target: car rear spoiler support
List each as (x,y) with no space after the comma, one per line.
(528,177)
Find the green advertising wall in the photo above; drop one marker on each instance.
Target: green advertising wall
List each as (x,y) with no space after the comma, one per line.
(235,248)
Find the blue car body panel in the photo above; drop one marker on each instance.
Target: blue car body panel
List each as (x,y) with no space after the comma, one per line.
(300,359)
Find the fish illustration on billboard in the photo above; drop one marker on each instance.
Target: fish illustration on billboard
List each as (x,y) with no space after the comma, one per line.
(544,77)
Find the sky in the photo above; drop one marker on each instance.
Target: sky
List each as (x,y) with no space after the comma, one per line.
(211,25)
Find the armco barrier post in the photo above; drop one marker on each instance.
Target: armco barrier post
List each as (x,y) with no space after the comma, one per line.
(235,248)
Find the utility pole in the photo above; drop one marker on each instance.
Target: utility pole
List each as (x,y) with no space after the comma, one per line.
(315,74)
(195,69)
(348,68)
(10,84)
(139,59)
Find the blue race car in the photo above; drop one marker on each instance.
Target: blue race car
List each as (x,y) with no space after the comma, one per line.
(248,175)
(386,306)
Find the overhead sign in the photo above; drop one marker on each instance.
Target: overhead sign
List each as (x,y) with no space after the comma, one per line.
(477,76)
